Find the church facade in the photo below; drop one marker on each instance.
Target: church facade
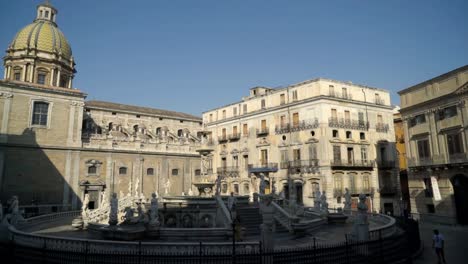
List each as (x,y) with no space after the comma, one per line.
(55,146)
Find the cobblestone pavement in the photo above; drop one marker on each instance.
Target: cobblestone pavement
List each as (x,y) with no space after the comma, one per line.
(456,243)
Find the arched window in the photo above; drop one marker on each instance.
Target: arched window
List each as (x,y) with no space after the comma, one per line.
(123,170)
(41,77)
(92,170)
(150,171)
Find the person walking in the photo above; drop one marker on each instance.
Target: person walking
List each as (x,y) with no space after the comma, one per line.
(438,244)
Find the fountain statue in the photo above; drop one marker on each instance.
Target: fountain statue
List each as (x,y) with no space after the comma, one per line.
(14,216)
(317,199)
(167,186)
(361,224)
(267,211)
(347,202)
(114,210)
(262,184)
(323,203)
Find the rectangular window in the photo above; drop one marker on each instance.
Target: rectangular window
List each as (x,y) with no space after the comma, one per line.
(295,119)
(150,171)
(245,108)
(263,104)
(350,152)
(235,161)
(234,130)
(17,76)
(344,91)
(331,90)
(428,187)
(246,162)
(379,119)
(197,172)
(454,143)
(223,133)
(245,130)
(175,172)
(361,118)
(264,156)
(338,182)
(365,182)
(263,125)
(224,114)
(312,152)
(234,111)
(333,114)
(423,148)
(447,112)
(283,121)
(223,162)
(336,153)
(41,78)
(282,99)
(284,155)
(294,95)
(40,113)
(211,117)
(347,116)
(419,119)
(364,154)
(296,154)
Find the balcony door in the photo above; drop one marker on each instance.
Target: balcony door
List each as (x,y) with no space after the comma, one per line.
(223,162)
(296,119)
(350,152)
(334,114)
(245,130)
(347,117)
(264,157)
(263,125)
(283,121)
(234,130)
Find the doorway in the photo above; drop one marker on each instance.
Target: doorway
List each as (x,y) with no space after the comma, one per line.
(460,189)
(299,193)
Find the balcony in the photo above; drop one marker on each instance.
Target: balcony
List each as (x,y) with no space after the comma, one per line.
(222,139)
(381,127)
(438,160)
(386,164)
(299,126)
(348,123)
(379,101)
(388,190)
(262,131)
(302,166)
(352,164)
(228,171)
(263,167)
(234,136)
(346,96)
(359,190)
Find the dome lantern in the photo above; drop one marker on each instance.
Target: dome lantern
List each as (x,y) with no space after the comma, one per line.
(40,53)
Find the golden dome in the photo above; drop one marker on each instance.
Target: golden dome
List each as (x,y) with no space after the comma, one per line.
(42,35)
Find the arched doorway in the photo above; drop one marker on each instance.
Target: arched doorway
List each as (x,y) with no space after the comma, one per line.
(460,190)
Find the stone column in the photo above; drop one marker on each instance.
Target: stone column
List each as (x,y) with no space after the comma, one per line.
(23,75)
(6,116)
(70,82)
(71,122)
(52,75)
(31,73)
(74,182)
(9,72)
(58,78)
(5,73)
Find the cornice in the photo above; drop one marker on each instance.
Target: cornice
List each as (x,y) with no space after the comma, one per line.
(43,88)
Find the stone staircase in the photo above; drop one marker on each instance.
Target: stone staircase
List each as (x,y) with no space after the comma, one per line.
(251,219)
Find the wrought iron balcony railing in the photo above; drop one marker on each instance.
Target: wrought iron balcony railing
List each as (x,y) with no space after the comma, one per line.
(386,164)
(232,171)
(360,189)
(234,136)
(346,96)
(263,131)
(301,125)
(301,166)
(439,159)
(348,123)
(381,127)
(263,167)
(352,163)
(222,139)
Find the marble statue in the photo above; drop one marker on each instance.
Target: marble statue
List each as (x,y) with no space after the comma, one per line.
(262,184)
(167,186)
(361,224)
(317,199)
(232,202)
(141,214)
(218,185)
(347,202)
(154,208)
(267,211)
(129,188)
(114,210)
(136,187)
(323,203)
(13,210)
(128,216)
(104,200)
(190,192)
(84,210)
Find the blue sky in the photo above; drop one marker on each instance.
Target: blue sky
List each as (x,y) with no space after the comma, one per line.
(192,56)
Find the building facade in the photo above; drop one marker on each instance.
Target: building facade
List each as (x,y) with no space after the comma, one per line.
(55,146)
(317,134)
(435,120)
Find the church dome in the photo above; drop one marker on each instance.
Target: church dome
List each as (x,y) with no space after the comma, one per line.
(43,36)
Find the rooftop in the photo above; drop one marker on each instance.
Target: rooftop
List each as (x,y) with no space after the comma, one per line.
(109,106)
